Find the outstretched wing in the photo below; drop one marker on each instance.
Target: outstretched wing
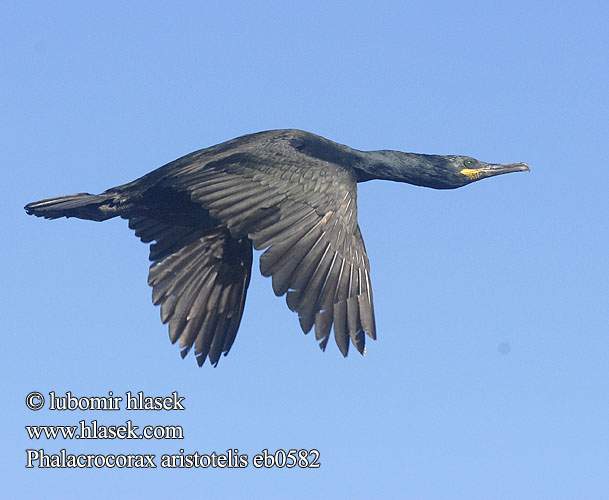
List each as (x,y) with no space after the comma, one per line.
(304,211)
(199,277)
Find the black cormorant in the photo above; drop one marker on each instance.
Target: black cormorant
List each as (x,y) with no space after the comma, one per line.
(290,192)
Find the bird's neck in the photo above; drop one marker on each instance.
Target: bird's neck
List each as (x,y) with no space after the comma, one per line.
(392,166)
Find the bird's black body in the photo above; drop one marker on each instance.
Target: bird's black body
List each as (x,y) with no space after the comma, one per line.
(289,191)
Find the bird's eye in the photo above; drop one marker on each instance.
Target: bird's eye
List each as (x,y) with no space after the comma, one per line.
(468,163)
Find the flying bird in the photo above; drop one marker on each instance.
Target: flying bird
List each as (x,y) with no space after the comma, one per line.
(290,192)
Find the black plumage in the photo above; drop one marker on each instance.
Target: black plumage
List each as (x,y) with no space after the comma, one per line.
(290,192)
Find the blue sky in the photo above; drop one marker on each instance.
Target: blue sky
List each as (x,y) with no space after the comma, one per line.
(490,376)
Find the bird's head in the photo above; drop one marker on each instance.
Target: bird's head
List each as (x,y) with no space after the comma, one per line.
(449,172)
(432,171)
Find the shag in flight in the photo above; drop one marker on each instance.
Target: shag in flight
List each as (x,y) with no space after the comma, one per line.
(290,192)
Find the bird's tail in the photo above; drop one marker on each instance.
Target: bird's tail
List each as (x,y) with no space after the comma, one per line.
(96,207)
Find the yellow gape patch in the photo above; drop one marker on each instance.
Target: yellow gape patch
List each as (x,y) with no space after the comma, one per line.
(472,173)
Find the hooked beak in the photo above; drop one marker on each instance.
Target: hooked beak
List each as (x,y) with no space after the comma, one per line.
(505,168)
(493,169)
